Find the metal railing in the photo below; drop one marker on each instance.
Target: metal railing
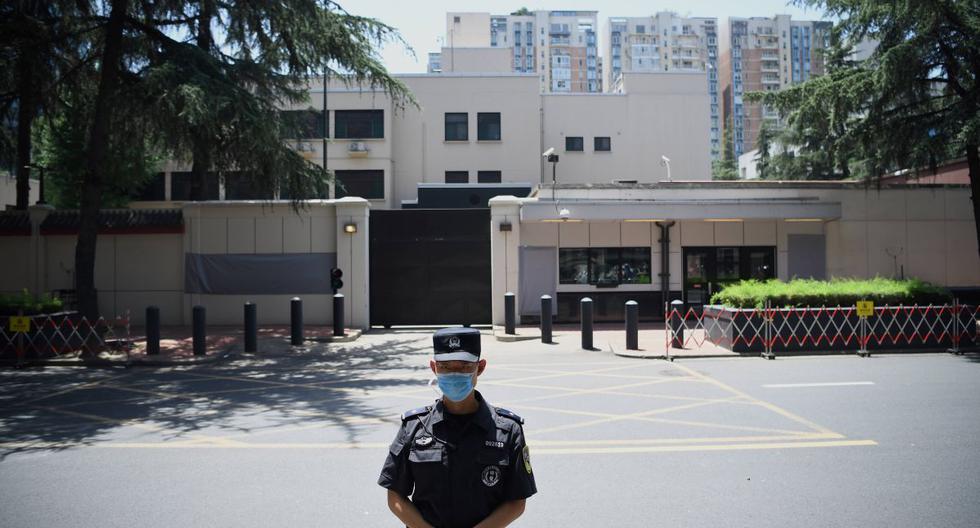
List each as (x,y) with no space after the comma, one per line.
(66,334)
(769,330)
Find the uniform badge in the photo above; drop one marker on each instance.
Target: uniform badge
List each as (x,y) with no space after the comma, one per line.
(453,342)
(527,460)
(423,441)
(491,476)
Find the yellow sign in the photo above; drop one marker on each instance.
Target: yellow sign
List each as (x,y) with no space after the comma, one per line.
(865,308)
(20,324)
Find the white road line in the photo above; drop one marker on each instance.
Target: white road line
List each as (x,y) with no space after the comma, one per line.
(831,384)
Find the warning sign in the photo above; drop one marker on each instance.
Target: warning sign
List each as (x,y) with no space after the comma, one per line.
(20,324)
(865,308)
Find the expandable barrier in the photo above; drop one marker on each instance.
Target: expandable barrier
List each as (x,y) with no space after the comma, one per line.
(55,335)
(769,330)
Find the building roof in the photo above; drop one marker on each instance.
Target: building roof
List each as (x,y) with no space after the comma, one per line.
(118,221)
(15,223)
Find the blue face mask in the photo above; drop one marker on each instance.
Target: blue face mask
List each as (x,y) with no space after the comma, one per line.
(455,386)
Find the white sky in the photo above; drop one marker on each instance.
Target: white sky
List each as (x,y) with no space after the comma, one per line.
(420,22)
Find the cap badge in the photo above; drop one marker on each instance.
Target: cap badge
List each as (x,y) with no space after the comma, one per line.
(453,342)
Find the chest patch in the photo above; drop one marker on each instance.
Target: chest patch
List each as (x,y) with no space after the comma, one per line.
(491,476)
(423,441)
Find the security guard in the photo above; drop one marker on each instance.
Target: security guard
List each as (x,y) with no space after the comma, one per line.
(463,462)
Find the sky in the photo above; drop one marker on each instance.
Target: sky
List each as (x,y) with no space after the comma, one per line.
(421,22)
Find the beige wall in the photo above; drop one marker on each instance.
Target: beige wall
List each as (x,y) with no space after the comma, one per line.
(477,60)
(8,191)
(472,30)
(660,114)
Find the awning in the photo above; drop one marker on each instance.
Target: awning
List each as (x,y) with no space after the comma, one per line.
(653,210)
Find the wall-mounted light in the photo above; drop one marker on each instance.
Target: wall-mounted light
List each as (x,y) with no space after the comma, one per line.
(804,219)
(350,228)
(505,226)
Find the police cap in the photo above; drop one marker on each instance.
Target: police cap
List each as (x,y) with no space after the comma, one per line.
(456,344)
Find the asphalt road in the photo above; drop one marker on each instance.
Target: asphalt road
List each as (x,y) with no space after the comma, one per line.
(298,438)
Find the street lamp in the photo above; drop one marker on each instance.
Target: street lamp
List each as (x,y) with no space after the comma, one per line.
(665,161)
(553,158)
(40,188)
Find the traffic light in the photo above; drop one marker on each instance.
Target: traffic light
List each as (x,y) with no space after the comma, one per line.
(336,276)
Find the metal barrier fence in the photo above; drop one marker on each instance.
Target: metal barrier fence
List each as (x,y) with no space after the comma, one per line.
(65,334)
(769,330)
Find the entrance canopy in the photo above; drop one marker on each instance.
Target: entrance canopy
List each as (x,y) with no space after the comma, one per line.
(573,210)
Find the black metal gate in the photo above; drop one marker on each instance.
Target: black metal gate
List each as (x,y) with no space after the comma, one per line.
(430,267)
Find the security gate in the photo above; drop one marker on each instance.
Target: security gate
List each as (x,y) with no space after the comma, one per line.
(430,267)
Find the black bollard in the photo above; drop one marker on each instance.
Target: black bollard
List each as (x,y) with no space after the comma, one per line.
(338,315)
(677,323)
(152,330)
(296,321)
(199,330)
(251,328)
(510,313)
(586,313)
(632,325)
(546,319)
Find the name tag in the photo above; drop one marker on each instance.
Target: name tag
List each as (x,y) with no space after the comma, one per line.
(493,443)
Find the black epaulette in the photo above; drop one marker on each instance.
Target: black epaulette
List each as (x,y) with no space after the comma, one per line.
(408,415)
(504,412)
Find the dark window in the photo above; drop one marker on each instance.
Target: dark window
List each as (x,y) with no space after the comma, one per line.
(152,190)
(369,184)
(488,177)
(180,186)
(302,124)
(488,126)
(604,266)
(709,269)
(603,144)
(457,126)
(574,144)
(241,186)
(457,177)
(359,124)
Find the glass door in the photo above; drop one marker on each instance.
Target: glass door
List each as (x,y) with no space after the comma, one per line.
(696,275)
(709,269)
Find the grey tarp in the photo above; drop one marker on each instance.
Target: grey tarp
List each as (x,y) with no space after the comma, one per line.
(539,276)
(807,256)
(258,274)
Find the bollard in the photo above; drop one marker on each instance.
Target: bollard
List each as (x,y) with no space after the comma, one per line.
(546,319)
(586,314)
(510,313)
(632,325)
(251,328)
(152,330)
(296,321)
(676,324)
(199,319)
(338,315)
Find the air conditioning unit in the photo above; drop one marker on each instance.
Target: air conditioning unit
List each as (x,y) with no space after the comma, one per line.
(357,149)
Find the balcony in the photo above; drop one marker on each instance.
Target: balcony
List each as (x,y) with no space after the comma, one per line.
(358,149)
(770,80)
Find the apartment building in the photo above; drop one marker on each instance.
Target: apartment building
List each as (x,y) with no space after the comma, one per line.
(765,54)
(665,43)
(560,47)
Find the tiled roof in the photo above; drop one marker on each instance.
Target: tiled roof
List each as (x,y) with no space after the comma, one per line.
(13,223)
(116,221)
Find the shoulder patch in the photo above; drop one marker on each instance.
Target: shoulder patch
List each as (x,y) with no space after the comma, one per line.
(408,415)
(504,412)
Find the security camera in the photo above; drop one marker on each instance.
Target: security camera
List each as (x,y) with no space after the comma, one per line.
(665,159)
(548,152)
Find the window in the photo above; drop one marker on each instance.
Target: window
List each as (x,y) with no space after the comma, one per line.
(488,177)
(574,144)
(240,186)
(368,184)
(602,144)
(359,124)
(457,177)
(488,126)
(302,124)
(457,126)
(181,183)
(604,266)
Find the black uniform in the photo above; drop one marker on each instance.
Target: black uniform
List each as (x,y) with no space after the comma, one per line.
(459,468)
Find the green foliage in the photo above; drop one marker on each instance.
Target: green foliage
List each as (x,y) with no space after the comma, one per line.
(28,304)
(522,12)
(764,146)
(836,292)
(727,167)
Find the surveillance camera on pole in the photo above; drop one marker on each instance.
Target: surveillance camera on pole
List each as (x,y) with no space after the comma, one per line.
(665,161)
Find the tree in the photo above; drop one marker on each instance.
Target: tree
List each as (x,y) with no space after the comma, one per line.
(214,100)
(727,167)
(763,145)
(522,12)
(913,103)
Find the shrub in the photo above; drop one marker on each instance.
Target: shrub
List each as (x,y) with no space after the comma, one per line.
(836,292)
(29,304)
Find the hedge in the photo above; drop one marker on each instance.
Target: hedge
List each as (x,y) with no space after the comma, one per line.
(837,292)
(30,305)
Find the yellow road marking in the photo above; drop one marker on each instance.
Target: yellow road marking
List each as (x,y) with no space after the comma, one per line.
(708,447)
(767,405)
(620,417)
(73,389)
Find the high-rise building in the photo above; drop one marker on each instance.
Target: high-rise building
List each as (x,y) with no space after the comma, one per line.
(560,47)
(665,43)
(765,54)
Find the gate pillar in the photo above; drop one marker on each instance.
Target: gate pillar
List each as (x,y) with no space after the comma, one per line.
(352,258)
(505,238)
